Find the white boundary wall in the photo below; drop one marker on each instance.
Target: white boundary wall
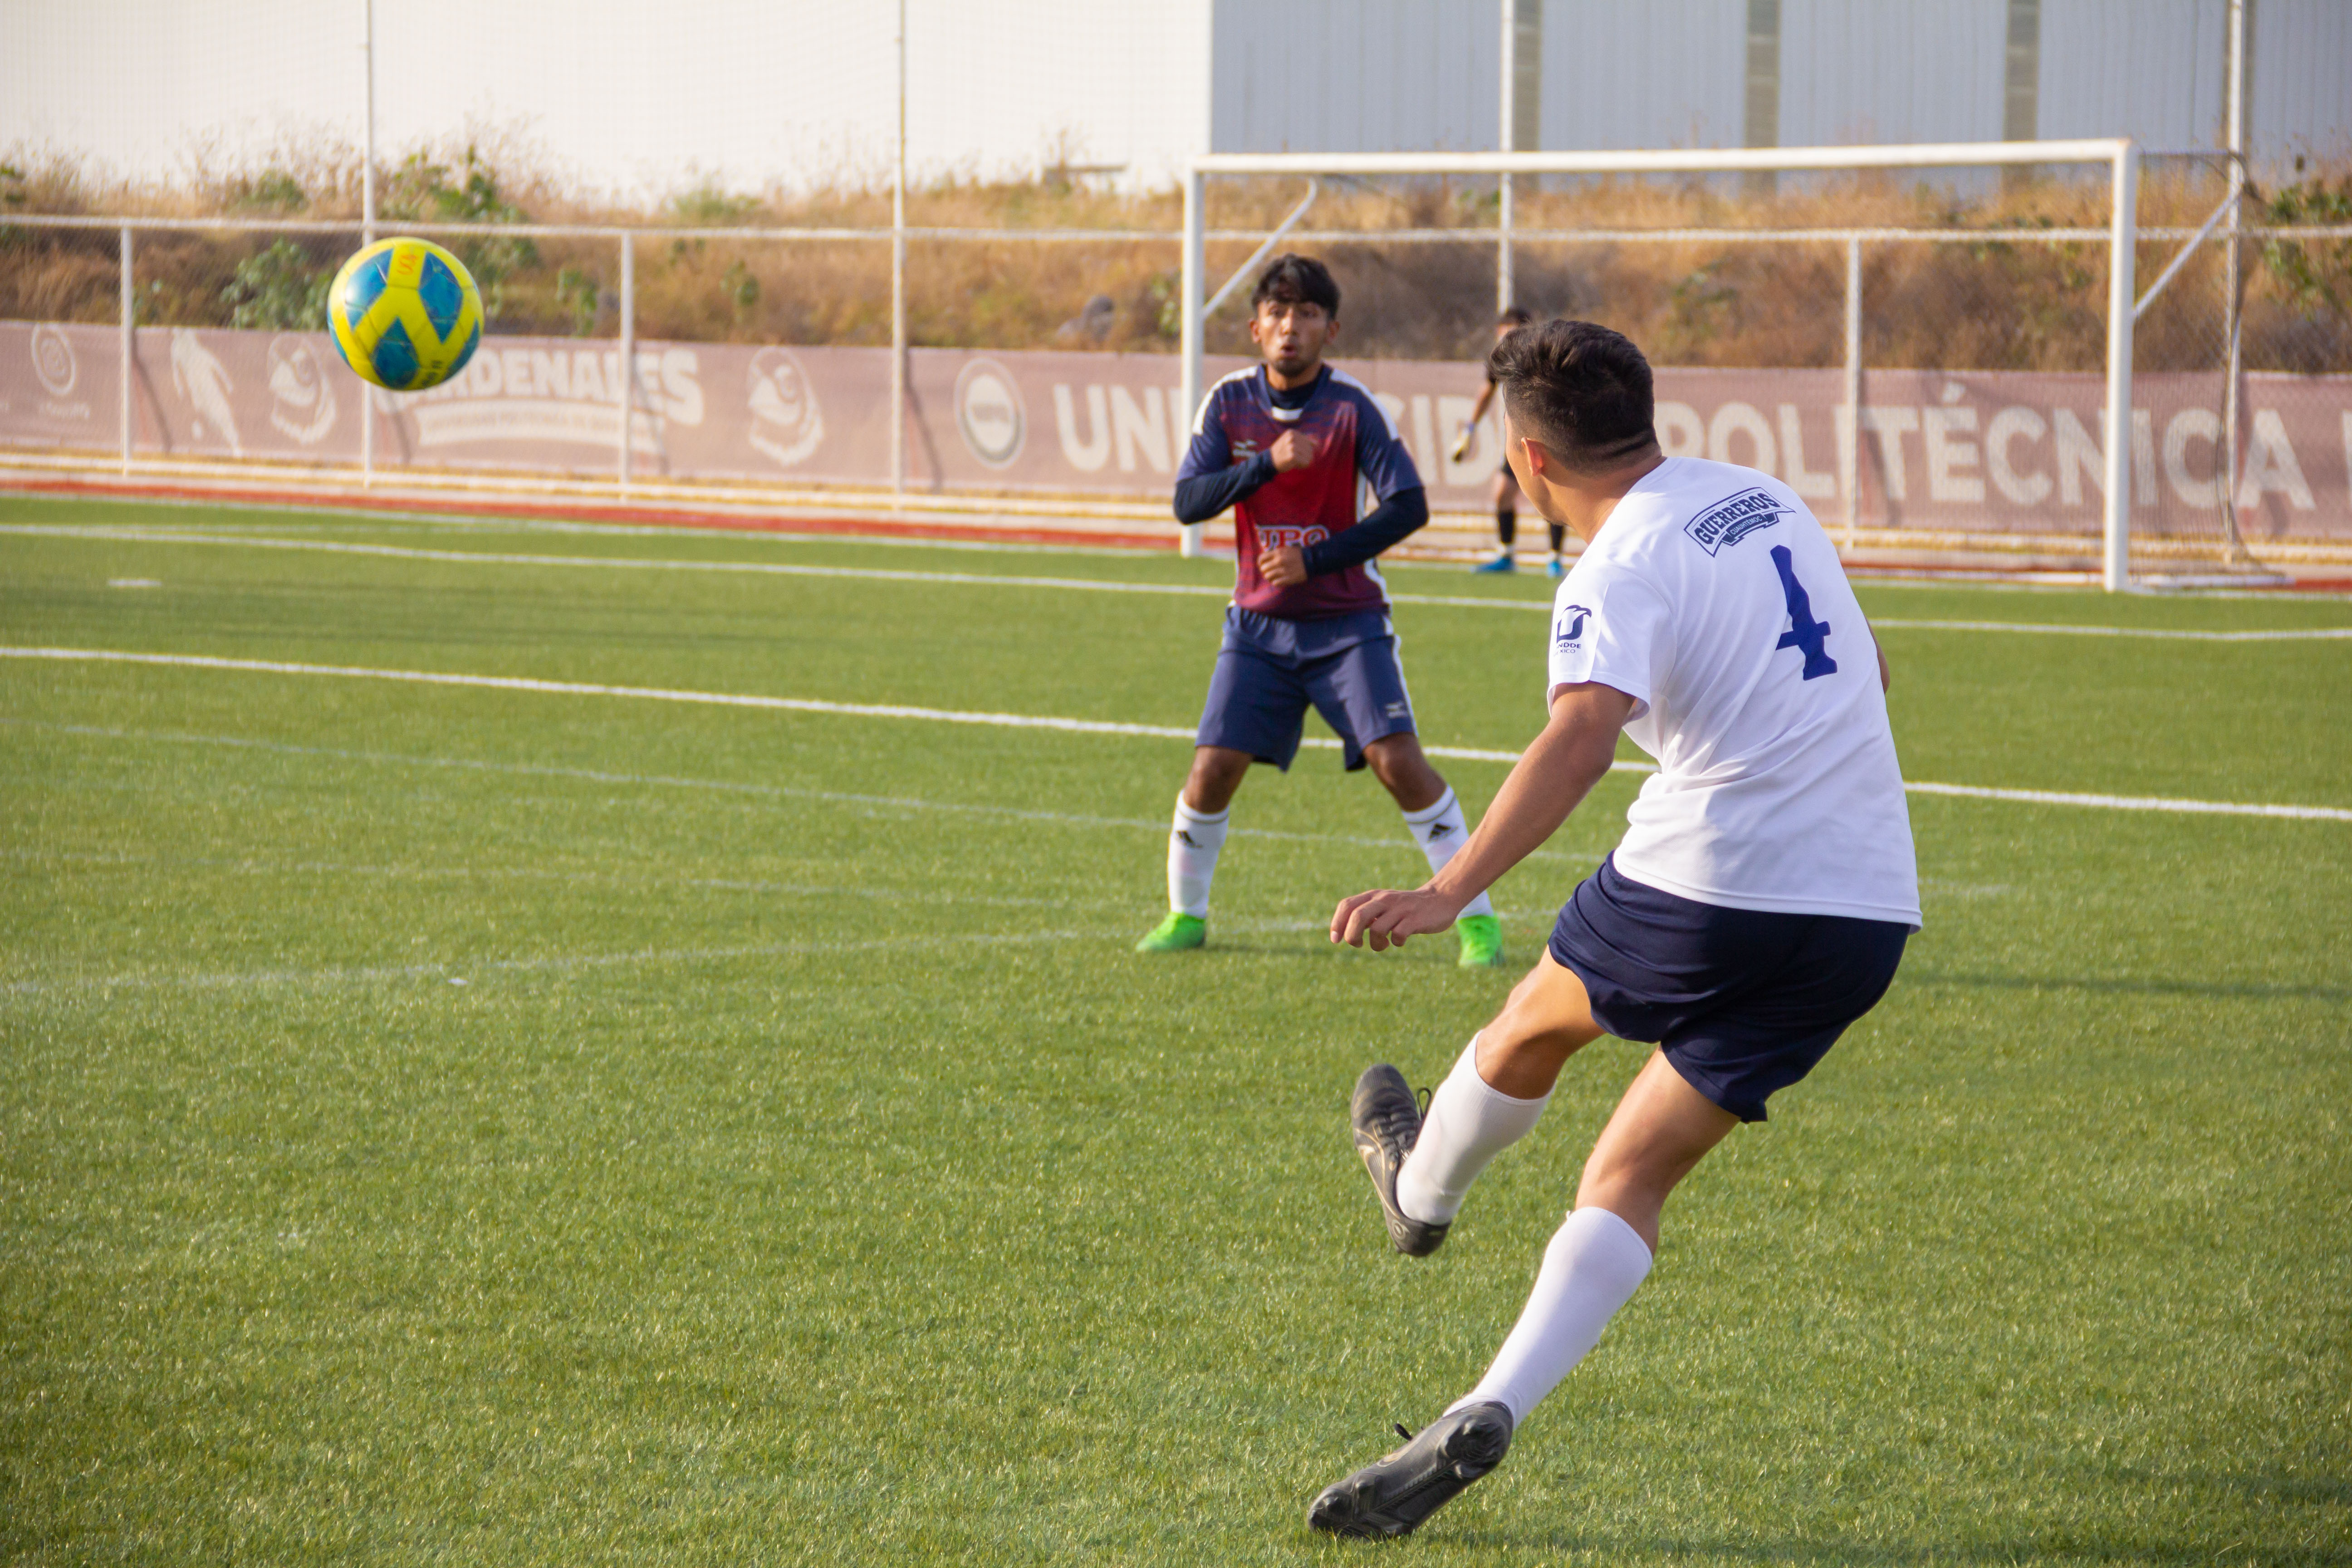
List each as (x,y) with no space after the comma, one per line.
(2120,156)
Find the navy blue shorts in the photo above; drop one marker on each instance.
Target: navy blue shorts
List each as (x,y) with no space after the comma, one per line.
(1743,1002)
(1258,696)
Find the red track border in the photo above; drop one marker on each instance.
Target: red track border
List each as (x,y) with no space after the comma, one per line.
(848,526)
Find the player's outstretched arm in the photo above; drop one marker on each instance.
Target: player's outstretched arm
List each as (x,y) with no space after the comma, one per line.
(1551,776)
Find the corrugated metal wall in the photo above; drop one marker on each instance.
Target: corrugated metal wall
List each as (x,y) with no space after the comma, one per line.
(1691,92)
(2147,68)
(1402,75)
(2303,79)
(1355,76)
(1865,70)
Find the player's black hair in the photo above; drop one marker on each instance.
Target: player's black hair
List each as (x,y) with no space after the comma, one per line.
(1293,280)
(1581,389)
(1515,316)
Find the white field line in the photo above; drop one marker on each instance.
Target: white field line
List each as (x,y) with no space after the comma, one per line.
(728,786)
(2303,634)
(710,699)
(1080,585)
(460,973)
(1074,726)
(621,879)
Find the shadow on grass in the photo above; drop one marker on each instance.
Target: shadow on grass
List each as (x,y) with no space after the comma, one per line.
(1578,1546)
(2237,990)
(2291,1505)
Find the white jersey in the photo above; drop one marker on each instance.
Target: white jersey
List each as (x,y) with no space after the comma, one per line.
(1713,598)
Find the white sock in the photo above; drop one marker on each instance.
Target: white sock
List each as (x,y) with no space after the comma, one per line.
(1441,832)
(1469,1122)
(1592,1266)
(1194,840)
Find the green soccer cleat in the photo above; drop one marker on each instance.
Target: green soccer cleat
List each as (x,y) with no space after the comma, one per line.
(1482,942)
(1177,933)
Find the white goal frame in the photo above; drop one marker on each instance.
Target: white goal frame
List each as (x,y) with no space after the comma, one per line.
(2120,156)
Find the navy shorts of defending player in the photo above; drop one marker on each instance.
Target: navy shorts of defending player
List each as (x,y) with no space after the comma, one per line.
(1326,643)
(1269,672)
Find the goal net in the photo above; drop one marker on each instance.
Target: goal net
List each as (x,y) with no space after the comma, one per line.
(1932,344)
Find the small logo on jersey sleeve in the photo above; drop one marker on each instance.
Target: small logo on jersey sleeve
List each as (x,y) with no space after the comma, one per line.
(1568,626)
(1729,522)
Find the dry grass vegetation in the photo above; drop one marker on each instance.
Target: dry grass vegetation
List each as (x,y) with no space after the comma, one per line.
(1987,301)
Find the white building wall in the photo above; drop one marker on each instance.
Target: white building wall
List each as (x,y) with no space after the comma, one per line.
(614,93)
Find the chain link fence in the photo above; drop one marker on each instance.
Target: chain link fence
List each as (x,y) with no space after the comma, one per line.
(1921,362)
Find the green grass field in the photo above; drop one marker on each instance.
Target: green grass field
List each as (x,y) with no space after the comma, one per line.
(441,1124)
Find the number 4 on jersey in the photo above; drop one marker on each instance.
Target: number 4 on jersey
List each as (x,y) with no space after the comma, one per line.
(1804,632)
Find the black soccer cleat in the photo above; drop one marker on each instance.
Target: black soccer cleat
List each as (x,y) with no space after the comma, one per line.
(1389,1498)
(1387,1124)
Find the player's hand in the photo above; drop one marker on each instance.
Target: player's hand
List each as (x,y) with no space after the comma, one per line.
(1385,918)
(1292,450)
(1285,567)
(1462,442)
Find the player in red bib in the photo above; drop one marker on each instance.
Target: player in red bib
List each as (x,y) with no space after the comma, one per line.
(1291,446)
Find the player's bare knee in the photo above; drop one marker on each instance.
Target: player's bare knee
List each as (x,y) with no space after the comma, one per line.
(1528,1034)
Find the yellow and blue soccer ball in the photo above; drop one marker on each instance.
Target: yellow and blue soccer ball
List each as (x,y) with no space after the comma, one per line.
(406,315)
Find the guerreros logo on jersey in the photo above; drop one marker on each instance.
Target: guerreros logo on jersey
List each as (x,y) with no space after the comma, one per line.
(1727,522)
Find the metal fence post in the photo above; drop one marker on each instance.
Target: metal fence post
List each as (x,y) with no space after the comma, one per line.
(129,330)
(629,350)
(2233,283)
(1507,141)
(1192,277)
(367,227)
(2122,260)
(898,280)
(1850,449)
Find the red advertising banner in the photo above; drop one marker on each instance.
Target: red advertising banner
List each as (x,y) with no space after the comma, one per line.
(2007,451)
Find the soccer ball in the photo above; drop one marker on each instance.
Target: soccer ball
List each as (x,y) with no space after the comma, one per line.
(406,315)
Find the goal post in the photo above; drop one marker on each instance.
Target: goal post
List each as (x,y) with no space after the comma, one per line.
(2119,156)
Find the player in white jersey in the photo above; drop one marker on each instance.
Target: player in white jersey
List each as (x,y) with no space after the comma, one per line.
(1757,904)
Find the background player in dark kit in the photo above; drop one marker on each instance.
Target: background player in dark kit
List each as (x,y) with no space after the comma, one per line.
(1290,445)
(1505,496)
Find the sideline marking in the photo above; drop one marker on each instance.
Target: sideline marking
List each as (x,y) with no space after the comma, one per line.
(2053,628)
(456,971)
(730,786)
(1086,584)
(709,698)
(247,866)
(1073,726)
